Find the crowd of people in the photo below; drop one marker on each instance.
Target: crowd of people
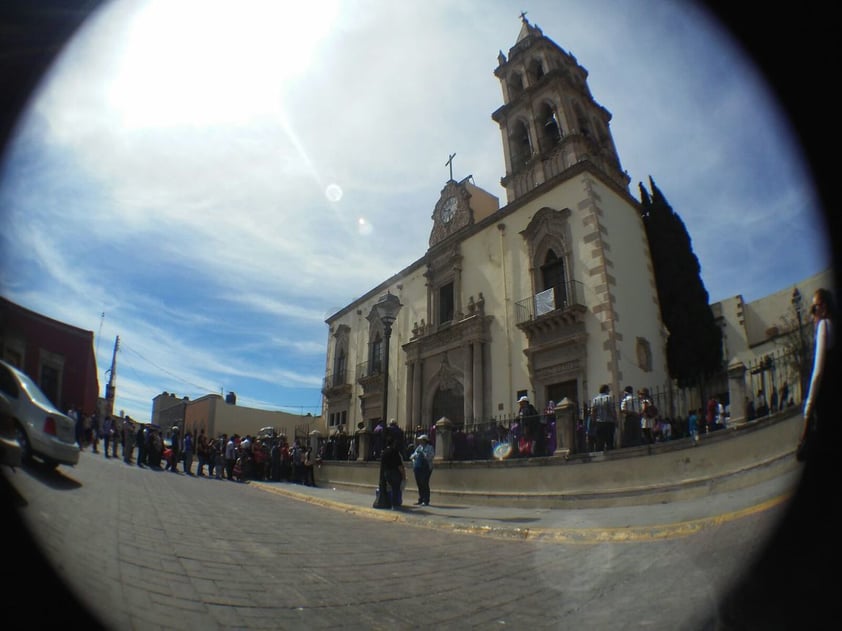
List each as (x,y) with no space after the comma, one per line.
(604,423)
(637,420)
(236,458)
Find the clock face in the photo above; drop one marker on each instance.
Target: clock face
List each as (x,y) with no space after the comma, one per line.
(448,209)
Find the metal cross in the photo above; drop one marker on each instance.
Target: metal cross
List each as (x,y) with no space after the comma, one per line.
(450,164)
(523,15)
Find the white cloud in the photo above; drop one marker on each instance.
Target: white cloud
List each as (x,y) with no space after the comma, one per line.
(189,201)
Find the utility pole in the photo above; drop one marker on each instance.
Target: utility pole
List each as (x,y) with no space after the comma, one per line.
(111,388)
(802,350)
(99,334)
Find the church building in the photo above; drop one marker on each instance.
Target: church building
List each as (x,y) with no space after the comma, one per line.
(551,295)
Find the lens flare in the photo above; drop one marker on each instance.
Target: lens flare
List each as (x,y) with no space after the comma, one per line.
(333,192)
(363,227)
(502,450)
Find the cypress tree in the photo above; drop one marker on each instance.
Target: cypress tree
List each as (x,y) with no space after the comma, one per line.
(694,343)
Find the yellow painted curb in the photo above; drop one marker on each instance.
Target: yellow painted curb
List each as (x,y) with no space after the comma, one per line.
(589,536)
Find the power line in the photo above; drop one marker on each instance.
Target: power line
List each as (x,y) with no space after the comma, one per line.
(123,346)
(164,370)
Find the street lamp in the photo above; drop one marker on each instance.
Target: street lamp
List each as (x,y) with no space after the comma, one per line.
(386,309)
(796,303)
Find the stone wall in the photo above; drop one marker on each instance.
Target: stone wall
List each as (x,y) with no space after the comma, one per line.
(737,457)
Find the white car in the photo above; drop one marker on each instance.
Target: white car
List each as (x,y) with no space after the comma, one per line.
(9,448)
(39,428)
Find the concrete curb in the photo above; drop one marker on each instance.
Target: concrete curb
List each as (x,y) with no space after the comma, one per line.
(560,534)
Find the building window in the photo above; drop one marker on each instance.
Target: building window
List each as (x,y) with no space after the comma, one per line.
(550,129)
(520,144)
(644,354)
(536,70)
(13,357)
(339,368)
(446,303)
(376,360)
(50,380)
(338,418)
(552,276)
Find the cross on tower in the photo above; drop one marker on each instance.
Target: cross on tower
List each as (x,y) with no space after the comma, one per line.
(450,164)
(523,15)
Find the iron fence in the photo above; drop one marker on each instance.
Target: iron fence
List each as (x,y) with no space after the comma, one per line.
(775,374)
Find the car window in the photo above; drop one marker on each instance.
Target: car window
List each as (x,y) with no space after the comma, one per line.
(34,391)
(8,383)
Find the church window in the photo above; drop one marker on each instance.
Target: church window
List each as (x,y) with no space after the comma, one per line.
(520,144)
(536,70)
(340,356)
(553,277)
(376,355)
(339,365)
(549,128)
(446,303)
(644,354)
(515,85)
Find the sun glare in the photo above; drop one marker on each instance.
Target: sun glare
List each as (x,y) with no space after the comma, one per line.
(214,62)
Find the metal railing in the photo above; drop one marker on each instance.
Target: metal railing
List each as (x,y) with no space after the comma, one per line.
(334,380)
(559,297)
(369,369)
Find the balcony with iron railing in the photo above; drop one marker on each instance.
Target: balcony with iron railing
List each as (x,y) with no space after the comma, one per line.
(560,297)
(370,375)
(558,306)
(369,369)
(335,383)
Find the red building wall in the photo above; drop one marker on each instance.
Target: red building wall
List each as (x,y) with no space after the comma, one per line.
(38,345)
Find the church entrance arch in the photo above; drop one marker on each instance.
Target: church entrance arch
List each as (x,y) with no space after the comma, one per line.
(450,404)
(566,389)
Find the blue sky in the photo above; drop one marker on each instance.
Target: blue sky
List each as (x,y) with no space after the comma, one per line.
(218,178)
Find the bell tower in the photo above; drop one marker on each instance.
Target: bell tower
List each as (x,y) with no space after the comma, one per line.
(549,120)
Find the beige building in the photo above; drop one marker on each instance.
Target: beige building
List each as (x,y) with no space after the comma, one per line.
(763,335)
(220,416)
(550,295)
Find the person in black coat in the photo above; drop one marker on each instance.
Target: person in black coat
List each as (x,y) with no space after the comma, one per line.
(392,475)
(530,421)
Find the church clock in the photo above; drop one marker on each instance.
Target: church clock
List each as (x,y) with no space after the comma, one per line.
(453,211)
(448,209)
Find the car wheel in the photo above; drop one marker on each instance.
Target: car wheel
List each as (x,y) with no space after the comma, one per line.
(23,441)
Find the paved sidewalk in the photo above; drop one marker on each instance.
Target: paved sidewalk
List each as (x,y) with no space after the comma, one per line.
(585,525)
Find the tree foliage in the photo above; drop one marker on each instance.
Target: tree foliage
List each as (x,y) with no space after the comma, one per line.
(694,343)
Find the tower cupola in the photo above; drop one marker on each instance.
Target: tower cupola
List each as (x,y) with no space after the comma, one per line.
(549,120)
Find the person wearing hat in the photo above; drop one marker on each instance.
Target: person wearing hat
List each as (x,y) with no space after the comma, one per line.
(631,418)
(422,467)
